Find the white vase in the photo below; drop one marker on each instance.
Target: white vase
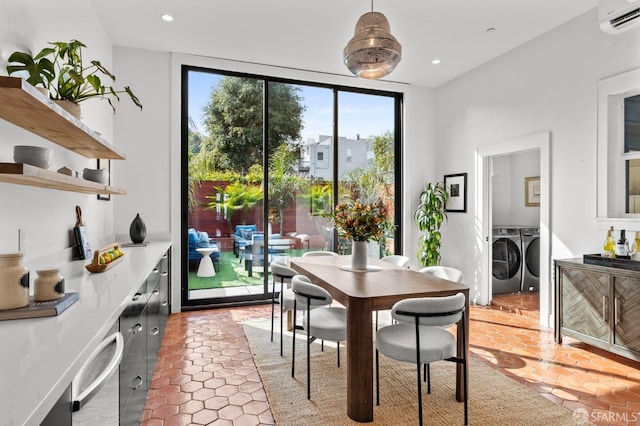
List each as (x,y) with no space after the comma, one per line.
(359,256)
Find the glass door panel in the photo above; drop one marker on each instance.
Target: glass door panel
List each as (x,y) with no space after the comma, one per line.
(300,167)
(225,194)
(366,156)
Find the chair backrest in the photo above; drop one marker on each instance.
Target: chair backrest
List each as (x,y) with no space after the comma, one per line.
(446,272)
(307,292)
(281,270)
(396,259)
(430,310)
(319,253)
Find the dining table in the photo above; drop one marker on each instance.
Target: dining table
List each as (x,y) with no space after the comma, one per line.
(362,293)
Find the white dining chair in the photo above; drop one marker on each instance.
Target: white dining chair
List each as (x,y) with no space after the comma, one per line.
(396,259)
(319,253)
(445,272)
(281,272)
(324,322)
(419,338)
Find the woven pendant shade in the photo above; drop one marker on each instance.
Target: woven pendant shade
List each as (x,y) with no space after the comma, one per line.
(373,52)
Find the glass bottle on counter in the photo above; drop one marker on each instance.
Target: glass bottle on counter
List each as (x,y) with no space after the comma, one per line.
(609,249)
(635,247)
(622,247)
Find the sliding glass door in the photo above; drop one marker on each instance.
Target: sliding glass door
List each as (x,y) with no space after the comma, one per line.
(263,163)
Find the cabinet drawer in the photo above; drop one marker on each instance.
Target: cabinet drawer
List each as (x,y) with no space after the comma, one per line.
(130,317)
(133,406)
(135,349)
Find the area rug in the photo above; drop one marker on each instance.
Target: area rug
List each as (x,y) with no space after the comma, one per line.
(494,398)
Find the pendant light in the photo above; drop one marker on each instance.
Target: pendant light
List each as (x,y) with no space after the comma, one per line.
(373,52)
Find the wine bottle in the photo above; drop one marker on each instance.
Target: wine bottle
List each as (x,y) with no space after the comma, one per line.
(635,247)
(622,247)
(609,249)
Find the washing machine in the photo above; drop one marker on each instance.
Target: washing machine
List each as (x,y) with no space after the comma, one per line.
(530,259)
(507,260)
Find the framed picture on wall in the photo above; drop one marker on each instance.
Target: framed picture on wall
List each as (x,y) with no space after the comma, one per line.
(457,189)
(105,164)
(532,191)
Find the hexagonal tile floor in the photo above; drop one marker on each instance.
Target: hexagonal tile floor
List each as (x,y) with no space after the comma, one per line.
(206,376)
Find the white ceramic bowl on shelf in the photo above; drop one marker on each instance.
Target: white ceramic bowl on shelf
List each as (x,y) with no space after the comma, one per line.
(96,175)
(34,155)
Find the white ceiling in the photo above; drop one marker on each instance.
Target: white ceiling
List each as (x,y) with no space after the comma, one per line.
(310,35)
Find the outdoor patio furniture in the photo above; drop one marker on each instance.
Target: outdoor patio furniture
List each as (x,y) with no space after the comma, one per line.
(242,237)
(199,239)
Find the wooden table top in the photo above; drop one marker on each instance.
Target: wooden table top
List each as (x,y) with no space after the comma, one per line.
(383,287)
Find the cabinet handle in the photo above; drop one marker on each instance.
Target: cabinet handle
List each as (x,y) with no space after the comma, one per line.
(616,310)
(165,303)
(604,308)
(155,293)
(137,382)
(136,328)
(89,392)
(136,296)
(155,270)
(155,331)
(165,256)
(164,274)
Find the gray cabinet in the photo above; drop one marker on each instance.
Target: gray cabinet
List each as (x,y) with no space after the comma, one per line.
(142,325)
(598,305)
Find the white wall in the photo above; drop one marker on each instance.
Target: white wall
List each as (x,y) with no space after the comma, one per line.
(548,84)
(508,190)
(49,215)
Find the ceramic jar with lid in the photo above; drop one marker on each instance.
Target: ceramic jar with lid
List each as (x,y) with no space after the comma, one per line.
(49,285)
(14,281)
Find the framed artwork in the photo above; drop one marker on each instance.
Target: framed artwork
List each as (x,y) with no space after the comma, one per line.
(105,164)
(532,191)
(457,188)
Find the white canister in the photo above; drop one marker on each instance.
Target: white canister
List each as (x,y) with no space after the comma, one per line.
(14,281)
(49,285)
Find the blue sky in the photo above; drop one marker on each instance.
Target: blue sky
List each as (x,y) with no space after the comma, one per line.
(361,114)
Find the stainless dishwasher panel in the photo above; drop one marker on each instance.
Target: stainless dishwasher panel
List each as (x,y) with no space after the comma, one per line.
(95,389)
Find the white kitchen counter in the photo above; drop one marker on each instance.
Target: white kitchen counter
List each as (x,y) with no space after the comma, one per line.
(40,356)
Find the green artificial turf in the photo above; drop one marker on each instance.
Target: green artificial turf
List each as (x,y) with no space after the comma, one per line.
(231,273)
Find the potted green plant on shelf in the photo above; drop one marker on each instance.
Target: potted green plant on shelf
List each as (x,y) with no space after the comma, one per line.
(66,76)
(429,216)
(39,68)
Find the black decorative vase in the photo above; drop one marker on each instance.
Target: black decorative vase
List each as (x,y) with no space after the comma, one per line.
(138,230)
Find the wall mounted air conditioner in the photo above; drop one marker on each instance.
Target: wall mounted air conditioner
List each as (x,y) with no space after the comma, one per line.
(617,16)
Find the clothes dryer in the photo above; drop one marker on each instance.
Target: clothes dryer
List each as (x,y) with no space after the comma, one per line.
(530,259)
(507,260)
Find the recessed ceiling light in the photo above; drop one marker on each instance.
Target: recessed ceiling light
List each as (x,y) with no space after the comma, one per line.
(166,17)
(435,61)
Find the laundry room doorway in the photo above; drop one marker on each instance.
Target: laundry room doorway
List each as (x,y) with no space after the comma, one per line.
(514,219)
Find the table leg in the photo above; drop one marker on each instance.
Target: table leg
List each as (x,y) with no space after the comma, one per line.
(359,361)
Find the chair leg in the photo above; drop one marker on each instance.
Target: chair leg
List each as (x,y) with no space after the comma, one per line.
(377,378)
(273,306)
(419,395)
(338,354)
(427,372)
(466,389)
(376,320)
(293,342)
(281,332)
(308,351)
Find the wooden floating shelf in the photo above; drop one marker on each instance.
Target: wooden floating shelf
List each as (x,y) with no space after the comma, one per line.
(23,105)
(26,174)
